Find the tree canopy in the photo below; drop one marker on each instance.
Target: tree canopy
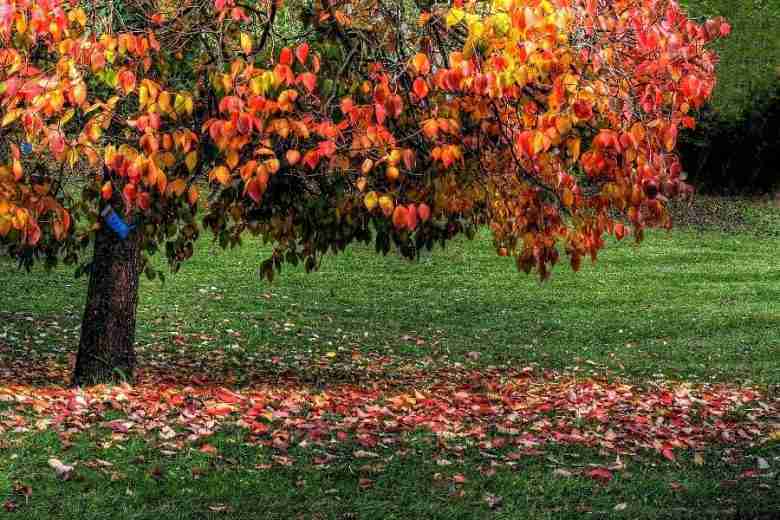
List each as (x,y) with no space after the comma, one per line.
(315,124)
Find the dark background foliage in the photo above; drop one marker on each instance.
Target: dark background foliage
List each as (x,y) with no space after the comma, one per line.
(736,155)
(734,149)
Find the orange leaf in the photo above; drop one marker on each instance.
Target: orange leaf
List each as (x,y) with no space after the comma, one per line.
(222,174)
(421,64)
(220,409)
(309,81)
(228,396)
(192,195)
(400,217)
(424,212)
(293,157)
(106,191)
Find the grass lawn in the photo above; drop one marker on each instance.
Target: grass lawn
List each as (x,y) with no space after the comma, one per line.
(687,307)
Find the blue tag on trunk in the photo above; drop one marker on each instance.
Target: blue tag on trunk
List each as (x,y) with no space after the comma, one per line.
(116,222)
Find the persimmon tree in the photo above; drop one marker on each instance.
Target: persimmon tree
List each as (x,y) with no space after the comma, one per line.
(316,124)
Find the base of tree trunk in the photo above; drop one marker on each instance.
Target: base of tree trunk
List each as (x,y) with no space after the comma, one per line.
(106,349)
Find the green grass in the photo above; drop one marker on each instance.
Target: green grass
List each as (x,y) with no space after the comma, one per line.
(143,484)
(687,305)
(750,57)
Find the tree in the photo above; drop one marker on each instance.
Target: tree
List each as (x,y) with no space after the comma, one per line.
(318,124)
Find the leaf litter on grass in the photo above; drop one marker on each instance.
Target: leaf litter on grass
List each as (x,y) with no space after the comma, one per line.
(367,402)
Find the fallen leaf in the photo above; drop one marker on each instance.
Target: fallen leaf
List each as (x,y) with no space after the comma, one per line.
(668,453)
(362,454)
(600,474)
(63,470)
(493,501)
(209,449)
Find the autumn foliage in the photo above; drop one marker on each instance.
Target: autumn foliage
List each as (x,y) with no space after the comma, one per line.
(553,121)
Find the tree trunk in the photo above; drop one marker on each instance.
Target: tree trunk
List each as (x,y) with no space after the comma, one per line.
(106,350)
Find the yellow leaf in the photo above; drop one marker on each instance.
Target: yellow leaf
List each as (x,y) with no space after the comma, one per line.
(455,16)
(538,142)
(79,16)
(257,85)
(246,43)
(273,165)
(179,103)
(371,200)
(232,159)
(368,164)
(221,174)
(80,93)
(11,116)
(67,116)
(573,146)
(21,23)
(73,157)
(191,160)
(563,124)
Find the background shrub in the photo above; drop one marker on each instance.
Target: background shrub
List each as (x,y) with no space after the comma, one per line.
(737,154)
(735,147)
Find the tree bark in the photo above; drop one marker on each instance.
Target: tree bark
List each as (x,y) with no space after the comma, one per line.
(106,349)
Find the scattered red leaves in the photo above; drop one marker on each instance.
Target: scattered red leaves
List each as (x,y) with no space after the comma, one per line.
(495,408)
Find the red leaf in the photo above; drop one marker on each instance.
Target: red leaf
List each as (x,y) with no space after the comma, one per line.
(227,396)
(420,88)
(220,410)
(286,57)
(601,474)
(302,52)
(311,159)
(668,453)
(208,448)
(254,190)
(326,148)
(381,113)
